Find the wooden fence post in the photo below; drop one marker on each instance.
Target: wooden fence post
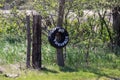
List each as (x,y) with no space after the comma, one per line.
(36,45)
(28,41)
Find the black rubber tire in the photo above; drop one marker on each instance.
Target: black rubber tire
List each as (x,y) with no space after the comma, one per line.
(64,37)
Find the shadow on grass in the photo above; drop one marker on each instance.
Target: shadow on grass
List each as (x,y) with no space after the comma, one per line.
(49,70)
(67,69)
(99,73)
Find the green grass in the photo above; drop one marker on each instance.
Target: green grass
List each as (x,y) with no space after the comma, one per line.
(56,73)
(103,64)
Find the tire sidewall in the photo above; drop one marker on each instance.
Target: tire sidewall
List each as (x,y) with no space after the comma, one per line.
(65,37)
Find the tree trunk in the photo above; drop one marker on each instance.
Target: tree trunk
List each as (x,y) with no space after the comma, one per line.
(36,45)
(116,25)
(60,58)
(28,41)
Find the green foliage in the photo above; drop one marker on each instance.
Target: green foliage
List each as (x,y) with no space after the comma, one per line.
(2,3)
(12,34)
(45,7)
(12,26)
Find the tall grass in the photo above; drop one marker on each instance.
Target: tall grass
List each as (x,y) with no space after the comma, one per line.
(11,53)
(99,57)
(48,55)
(74,56)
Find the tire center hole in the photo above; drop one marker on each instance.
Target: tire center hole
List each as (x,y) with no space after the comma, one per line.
(58,37)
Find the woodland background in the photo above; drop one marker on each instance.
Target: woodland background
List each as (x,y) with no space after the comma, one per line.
(94,45)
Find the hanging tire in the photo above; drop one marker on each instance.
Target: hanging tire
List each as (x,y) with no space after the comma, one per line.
(58,37)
